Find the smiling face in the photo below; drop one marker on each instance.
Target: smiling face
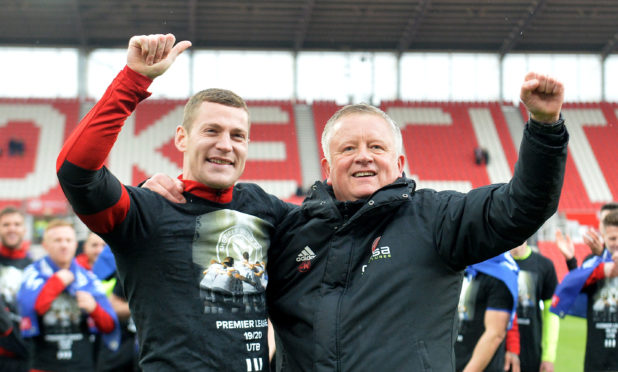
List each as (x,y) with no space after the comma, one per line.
(12,230)
(215,146)
(363,156)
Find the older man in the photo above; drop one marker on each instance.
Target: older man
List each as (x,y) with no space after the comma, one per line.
(380,290)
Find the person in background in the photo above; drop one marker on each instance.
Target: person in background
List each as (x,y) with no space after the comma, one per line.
(93,246)
(538,328)
(14,353)
(597,279)
(592,238)
(63,307)
(486,311)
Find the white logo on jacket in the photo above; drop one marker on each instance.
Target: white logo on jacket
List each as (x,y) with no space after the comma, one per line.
(305,255)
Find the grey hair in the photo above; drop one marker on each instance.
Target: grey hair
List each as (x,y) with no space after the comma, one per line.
(359,108)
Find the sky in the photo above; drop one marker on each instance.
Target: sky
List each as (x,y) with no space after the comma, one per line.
(344,77)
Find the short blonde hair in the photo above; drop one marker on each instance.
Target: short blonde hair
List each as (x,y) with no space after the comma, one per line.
(56,223)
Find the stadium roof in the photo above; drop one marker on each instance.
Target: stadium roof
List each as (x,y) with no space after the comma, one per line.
(498,26)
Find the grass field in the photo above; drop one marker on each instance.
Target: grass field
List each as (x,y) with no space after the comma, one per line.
(571,345)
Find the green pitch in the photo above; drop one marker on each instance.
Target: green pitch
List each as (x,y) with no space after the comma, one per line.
(571,345)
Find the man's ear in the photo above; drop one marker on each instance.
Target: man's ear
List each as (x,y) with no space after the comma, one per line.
(181,138)
(326,170)
(401,161)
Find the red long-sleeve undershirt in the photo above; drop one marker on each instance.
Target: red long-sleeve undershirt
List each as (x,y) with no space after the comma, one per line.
(52,289)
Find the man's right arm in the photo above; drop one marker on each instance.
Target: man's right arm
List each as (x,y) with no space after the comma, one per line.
(97,197)
(52,289)
(496,322)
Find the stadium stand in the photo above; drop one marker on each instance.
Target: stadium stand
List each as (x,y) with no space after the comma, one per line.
(439,140)
(591,178)
(322,111)
(29,178)
(551,251)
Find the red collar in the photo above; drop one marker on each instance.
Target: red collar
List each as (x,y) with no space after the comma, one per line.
(222,196)
(82,260)
(15,254)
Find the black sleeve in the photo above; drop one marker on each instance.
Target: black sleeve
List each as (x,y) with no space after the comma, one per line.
(118,290)
(487,221)
(499,297)
(550,279)
(572,263)
(5,319)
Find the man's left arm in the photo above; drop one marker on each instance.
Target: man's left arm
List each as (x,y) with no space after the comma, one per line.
(495,218)
(549,342)
(496,322)
(551,321)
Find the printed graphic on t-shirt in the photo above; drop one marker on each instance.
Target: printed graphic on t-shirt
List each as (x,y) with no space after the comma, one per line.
(63,316)
(62,325)
(527,296)
(605,301)
(10,281)
(231,248)
(467,299)
(604,316)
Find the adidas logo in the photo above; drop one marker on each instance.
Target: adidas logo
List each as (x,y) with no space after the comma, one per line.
(305,255)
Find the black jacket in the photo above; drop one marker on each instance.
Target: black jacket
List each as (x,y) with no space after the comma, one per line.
(373,285)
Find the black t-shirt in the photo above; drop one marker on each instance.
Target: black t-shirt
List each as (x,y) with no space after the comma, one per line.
(64,342)
(195,278)
(602,319)
(479,294)
(536,283)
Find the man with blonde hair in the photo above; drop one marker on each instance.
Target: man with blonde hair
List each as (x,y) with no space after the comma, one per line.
(62,304)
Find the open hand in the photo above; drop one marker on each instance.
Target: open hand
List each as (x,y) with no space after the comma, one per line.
(565,244)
